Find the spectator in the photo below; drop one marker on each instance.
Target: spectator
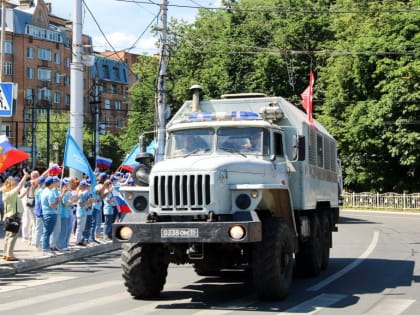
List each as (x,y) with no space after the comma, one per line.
(39,224)
(99,191)
(108,209)
(84,202)
(50,199)
(28,216)
(1,200)
(13,205)
(65,210)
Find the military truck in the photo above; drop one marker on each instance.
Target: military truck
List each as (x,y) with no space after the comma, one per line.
(245,183)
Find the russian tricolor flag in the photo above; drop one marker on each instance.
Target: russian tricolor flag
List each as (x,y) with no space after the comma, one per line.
(122,206)
(9,155)
(103,162)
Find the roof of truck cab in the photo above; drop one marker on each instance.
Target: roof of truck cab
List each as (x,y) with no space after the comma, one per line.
(294,116)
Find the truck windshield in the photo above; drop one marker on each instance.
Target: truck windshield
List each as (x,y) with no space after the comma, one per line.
(183,143)
(251,140)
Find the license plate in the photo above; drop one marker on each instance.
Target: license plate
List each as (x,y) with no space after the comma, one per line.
(179,232)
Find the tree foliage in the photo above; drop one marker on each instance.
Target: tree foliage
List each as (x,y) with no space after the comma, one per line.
(365,55)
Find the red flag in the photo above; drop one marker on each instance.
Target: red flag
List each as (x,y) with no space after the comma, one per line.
(307,98)
(9,155)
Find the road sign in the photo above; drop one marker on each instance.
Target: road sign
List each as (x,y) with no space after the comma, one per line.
(6,99)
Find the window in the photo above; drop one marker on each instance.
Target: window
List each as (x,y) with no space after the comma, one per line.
(320,150)
(40,32)
(68,100)
(44,54)
(6,130)
(278,144)
(107,104)
(29,94)
(57,98)
(30,73)
(44,94)
(67,62)
(116,73)
(8,47)
(105,70)
(8,68)
(66,80)
(30,52)
(108,122)
(117,105)
(44,74)
(113,89)
(57,78)
(118,123)
(57,58)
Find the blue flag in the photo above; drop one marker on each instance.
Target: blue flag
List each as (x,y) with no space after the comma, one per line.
(74,158)
(130,161)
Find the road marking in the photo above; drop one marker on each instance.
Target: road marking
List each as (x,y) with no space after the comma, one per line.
(349,267)
(17,285)
(55,295)
(315,304)
(390,307)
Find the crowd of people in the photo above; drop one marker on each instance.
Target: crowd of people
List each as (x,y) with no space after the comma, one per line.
(53,209)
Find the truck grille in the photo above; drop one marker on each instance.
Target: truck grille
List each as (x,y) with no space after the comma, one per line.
(190,192)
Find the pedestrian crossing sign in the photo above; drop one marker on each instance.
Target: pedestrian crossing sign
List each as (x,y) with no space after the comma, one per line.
(6,99)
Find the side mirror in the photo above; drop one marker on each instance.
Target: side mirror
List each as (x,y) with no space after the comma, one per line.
(300,149)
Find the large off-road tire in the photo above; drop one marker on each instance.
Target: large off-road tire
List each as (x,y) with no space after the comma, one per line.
(310,255)
(272,260)
(145,268)
(326,241)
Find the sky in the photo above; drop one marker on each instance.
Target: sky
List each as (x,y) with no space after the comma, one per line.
(124,21)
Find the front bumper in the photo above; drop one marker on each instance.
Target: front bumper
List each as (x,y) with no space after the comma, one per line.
(186,232)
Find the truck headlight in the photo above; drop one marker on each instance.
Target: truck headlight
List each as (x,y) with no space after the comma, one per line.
(243,201)
(237,232)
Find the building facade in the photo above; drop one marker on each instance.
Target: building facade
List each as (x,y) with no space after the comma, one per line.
(37,57)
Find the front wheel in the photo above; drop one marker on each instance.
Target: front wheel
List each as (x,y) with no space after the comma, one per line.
(272,260)
(145,268)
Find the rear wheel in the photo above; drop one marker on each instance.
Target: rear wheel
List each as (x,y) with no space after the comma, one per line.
(310,256)
(145,268)
(326,241)
(272,260)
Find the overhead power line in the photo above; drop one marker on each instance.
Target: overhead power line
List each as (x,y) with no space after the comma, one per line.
(280,9)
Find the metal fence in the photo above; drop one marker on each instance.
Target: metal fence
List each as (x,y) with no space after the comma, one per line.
(382,201)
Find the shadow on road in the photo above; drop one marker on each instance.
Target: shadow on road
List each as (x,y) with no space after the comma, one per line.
(234,290)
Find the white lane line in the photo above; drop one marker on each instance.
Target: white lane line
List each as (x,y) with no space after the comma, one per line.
(17,285)
(349,267)
(315,304)
(150,306)
(55,295)
(390,307)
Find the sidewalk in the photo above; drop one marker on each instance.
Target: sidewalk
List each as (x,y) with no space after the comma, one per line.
(31,258)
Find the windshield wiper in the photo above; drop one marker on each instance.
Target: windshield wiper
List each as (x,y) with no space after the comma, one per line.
(196,151)
(230,150)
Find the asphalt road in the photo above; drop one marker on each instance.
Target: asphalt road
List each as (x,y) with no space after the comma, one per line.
(374,270)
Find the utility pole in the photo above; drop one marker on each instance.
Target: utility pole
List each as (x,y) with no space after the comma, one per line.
(161,120)
(76,81)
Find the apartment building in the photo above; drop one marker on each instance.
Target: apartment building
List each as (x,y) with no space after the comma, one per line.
(37,56)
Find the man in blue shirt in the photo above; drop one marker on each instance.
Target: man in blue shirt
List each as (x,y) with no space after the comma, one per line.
(50,199)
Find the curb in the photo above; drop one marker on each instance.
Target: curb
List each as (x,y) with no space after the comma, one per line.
(41,262)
